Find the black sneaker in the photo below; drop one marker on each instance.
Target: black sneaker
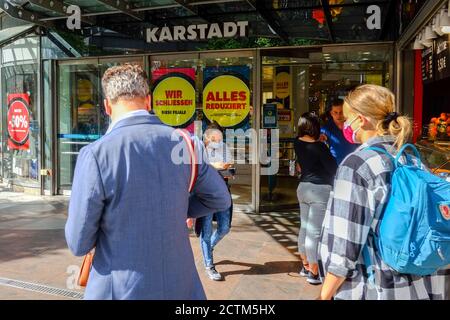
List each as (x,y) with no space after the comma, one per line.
(313,279)
(303,272)
(213,274)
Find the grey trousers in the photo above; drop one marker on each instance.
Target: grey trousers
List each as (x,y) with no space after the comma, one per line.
(313,200)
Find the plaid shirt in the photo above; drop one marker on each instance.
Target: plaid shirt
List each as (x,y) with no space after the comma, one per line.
(361,191)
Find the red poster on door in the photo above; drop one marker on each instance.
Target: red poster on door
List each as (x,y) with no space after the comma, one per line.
(18,121)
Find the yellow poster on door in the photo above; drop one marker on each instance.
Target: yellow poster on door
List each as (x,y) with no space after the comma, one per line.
(174,100)
(282,85)
(226,99)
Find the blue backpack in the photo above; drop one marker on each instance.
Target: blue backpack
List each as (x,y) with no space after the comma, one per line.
(414,231)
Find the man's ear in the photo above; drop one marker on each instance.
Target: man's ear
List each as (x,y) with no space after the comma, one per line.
(108,108)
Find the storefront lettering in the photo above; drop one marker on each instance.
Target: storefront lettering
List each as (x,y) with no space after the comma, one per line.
(227,96)
(197,32)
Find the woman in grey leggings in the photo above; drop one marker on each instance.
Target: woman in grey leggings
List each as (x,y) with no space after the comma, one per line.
(318,168)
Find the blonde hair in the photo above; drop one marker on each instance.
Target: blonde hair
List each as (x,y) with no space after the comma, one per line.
(378,105)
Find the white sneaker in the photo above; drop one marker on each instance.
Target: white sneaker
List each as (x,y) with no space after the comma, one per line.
(213,274)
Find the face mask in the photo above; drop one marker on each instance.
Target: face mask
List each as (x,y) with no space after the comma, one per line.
(214,145)
(349,133)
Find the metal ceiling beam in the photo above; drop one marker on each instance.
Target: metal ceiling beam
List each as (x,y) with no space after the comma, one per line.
(59,7)
(187,5)
(124,7)
(326,9)
(270,18)
(389,16)
(24,15)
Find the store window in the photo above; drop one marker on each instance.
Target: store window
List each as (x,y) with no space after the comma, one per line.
(20,124)
(296,81)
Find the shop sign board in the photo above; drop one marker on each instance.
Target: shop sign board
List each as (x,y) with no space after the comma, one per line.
(226,95)
(197,32)
(442,57)
(174,98)
(18,121)
(427,65)
(270,116)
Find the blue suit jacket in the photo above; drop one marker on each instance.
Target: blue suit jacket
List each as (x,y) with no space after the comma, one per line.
(130,201)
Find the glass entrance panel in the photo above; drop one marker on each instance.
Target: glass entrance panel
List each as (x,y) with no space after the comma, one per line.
(81,114)
(299,80)
(227,98)
(193,90)
(20,126)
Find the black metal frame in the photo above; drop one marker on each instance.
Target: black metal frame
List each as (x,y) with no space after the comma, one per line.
(130,21)
(123,7)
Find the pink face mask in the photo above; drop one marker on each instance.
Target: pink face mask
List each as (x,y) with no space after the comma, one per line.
(349,133)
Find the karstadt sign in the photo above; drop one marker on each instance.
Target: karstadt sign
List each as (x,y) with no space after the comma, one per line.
(198,32)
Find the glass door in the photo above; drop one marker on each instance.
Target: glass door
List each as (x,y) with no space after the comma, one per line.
(228,88)
(81,115)
(211,87)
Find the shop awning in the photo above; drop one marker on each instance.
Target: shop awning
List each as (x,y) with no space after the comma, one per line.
(290,22)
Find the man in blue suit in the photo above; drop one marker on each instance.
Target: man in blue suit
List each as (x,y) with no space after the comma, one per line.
(130,201)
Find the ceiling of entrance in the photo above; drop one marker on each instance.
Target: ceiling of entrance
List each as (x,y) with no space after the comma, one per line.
(290,22)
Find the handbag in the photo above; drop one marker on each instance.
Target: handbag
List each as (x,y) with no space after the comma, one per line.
(86,266)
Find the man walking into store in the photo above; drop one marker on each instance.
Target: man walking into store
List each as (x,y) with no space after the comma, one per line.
(332,133)
(130,201)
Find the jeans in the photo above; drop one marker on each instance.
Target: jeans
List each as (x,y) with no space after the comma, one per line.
(208,239)
(313,199)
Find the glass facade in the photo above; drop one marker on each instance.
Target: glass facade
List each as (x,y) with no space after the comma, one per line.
(296,80)
(20,115)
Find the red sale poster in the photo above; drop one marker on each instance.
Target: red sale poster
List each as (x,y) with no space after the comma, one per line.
(18,121)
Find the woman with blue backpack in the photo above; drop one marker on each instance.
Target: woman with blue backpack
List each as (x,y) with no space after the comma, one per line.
(386,232)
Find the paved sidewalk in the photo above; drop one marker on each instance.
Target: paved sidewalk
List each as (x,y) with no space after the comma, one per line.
(257,258)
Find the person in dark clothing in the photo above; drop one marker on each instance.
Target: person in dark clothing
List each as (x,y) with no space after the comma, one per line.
(318,168)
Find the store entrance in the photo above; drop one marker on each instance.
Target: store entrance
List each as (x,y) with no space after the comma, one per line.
(299,80)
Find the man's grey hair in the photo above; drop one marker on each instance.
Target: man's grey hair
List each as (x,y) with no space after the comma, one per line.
(125,82)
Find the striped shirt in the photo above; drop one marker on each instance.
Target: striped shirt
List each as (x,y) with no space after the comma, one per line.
(361,191)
